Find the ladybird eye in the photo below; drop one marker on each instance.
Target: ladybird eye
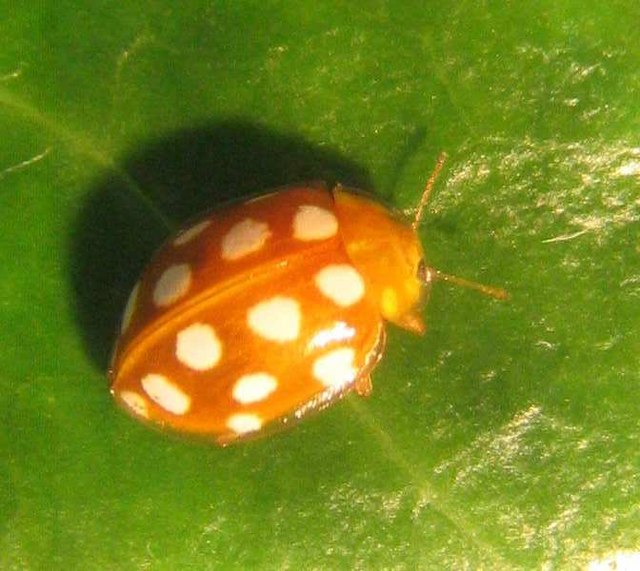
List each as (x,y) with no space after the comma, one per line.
(421,271)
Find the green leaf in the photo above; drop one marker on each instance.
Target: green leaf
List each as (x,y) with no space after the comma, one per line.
(505,438)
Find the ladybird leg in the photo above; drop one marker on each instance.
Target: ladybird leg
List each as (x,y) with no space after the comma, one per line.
(363,386)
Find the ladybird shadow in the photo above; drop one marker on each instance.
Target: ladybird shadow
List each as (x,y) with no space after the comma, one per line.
(135,205)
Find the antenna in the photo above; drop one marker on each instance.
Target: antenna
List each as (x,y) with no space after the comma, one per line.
(428,189)
(432,273)
(491,291)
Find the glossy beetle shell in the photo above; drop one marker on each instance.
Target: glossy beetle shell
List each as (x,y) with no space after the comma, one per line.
(266,310)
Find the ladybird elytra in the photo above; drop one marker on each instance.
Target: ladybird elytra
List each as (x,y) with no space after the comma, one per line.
(267,309)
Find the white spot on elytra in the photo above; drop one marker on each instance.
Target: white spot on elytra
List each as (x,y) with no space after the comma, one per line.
(341,283)
(130,308)
(314,223)
(243,423)
(190,233)
(198,347)
(244,238)
(165,394)
(340,331)
(335,369)
(172,285)
(135,403)
(254,387)
(277,319)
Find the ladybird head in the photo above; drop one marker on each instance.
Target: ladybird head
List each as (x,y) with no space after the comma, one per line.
(386,250)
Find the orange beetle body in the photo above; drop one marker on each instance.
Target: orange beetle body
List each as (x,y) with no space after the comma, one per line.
(266,310)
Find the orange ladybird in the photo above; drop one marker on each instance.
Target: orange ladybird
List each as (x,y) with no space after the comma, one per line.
(267,309)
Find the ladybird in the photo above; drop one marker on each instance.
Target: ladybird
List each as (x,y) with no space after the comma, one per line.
(268,309)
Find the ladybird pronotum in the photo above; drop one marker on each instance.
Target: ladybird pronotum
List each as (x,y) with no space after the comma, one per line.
(268,309)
